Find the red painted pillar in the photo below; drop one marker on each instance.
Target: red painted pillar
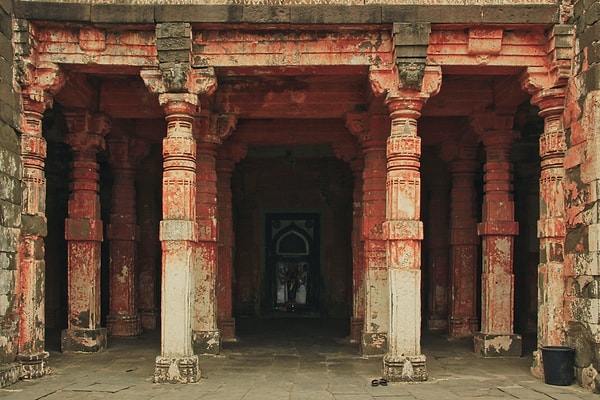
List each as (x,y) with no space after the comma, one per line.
(83,232)
(227,156)
(437,246)
(358,254)
(32,270)
(551,225)
(148,260)
(211,129)
(497,232)
(372,132)
(123,319)
(403,229)
(178,235)
(464,241)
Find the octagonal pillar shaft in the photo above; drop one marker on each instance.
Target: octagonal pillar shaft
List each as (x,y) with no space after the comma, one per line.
(178,236)
(32,271)
(403,231)
(206,338)
(497,232)
(463,319)
(148,249)
(225,320)
(123,318)
(83,232)
(358,254)
(437,240)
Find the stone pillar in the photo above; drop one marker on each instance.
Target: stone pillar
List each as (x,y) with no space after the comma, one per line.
(372,133)
(123,318)
(464,242)
(437,246)
(357,319)
(210,130)
(83,232)
(178,235)
(551,225)
(178,229)
(403,231)
(226,159)
(407,84)
(497,232)
(148,260)
(32,270)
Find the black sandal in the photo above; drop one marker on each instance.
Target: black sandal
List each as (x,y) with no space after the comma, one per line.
(383,382)
(375,382)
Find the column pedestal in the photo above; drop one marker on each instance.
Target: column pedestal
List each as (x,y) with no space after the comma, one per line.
(33,365)
(405,368)
(206,342)
(83,340)
(497,345)
(176,370)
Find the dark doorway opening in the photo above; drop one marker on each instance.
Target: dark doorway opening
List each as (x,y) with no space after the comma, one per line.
(292,261)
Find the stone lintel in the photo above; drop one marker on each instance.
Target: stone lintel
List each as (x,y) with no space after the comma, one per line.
(322,14)
(497,345)
(176,369)
(405,368)
(83,340)
(206,342)
(33,365)
(373,343)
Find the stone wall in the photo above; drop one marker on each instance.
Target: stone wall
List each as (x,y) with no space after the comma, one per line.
(582,192)
(10,202)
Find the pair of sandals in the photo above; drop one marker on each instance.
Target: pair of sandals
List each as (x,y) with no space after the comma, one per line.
(379,382)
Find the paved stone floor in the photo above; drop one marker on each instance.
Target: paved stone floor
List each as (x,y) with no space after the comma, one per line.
(291,359)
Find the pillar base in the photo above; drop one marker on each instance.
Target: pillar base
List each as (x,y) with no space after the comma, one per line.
(227,328)
(33,365)
(176,369)
(206,342)
(149,319)
(9,374)
(373,343)
(537,366)
(356,327)
(405,368)
(462,327)
(83,340)
(123,325)
(437,324)
(497,345)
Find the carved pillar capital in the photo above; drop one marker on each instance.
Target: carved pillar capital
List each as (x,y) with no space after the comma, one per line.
(125,151)
(214,128)
(40,82)
(346,151)
(371,130)
(560,55)
(198,81)
(86,131)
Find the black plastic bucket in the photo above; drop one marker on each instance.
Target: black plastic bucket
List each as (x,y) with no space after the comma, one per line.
(558,365)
